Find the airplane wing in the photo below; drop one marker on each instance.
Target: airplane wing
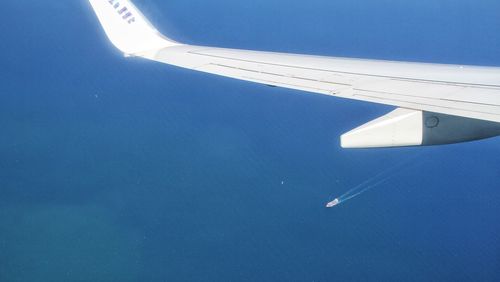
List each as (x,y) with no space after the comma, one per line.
(436,104)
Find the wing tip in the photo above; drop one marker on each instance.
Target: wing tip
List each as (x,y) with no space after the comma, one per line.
(127,28)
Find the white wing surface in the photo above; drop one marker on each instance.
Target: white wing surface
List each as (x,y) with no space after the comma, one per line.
(444,91)
(472,92)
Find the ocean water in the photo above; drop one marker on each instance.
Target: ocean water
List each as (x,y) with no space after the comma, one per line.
(115,169)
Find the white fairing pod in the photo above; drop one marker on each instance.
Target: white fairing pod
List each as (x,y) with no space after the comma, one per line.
(405,127)
(401,127)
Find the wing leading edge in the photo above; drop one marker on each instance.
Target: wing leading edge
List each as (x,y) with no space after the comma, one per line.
(450,91)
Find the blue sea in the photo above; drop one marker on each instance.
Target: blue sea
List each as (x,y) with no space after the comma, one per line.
(122,169)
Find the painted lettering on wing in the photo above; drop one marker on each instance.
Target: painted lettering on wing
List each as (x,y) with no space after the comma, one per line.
(123,11)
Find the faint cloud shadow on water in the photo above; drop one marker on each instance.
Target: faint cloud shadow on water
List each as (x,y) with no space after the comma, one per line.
(66,243)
